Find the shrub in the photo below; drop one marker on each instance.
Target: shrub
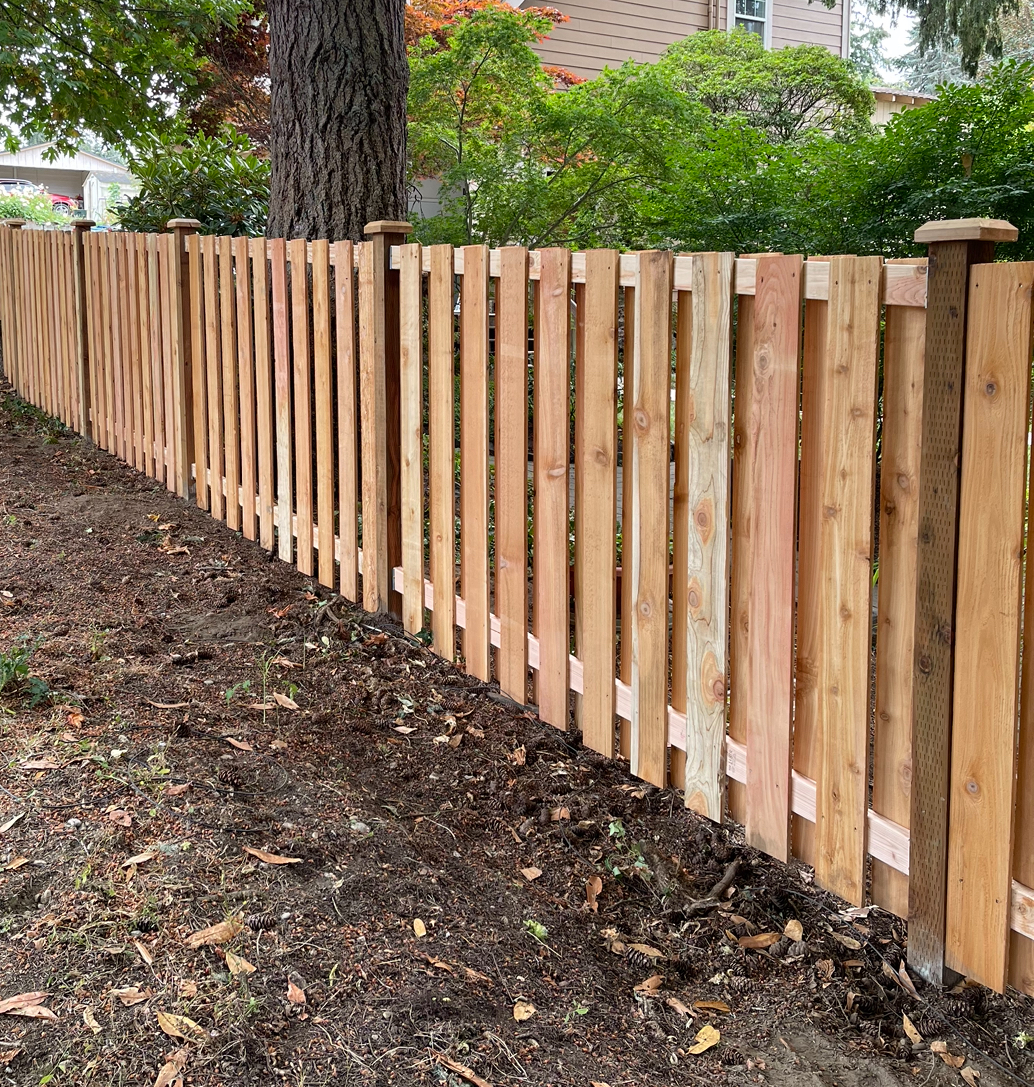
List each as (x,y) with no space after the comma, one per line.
(36,208)
(218,180)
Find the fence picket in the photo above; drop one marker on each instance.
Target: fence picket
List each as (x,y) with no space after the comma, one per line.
(213,370)
(373,427)
(987,646)
(411,370)
(246,382)
(264,439)
(157,368)
(231,404)
(347,419)
(146,376)
(302,358)
(282,395)
(596,372)
(324,396)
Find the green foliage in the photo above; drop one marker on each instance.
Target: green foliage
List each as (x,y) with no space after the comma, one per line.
(113,68)
(217,180)
(15,674)
(35,209)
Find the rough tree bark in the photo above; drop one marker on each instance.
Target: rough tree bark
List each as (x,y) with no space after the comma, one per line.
(339,78)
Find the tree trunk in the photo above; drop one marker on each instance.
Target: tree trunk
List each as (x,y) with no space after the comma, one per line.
(339,78)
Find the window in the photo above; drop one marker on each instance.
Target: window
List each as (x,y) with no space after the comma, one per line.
(752,16)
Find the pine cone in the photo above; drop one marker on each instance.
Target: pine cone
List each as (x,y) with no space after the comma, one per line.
(229,776)
(262,922)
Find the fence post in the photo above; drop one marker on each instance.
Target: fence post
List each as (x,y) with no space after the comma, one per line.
(380,415)
(182,382)
(953,246)
(80,227)
(12,357)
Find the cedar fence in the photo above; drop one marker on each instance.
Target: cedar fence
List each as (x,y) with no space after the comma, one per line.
(831,417)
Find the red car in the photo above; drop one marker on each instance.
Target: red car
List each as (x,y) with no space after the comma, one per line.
(13,186)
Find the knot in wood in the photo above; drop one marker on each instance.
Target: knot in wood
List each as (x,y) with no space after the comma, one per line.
(642,420)
(990,388)
(601,456)
(645,609)
(972,788)
(904,482)
(925,664)
(694,598)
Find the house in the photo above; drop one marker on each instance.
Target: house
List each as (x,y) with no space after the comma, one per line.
(605,33)
(889,102)
(69,175)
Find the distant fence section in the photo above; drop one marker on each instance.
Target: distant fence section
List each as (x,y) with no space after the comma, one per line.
(756,524)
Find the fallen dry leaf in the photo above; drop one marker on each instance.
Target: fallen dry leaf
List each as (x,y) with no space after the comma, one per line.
(11,1005)
(188,989)
(8,1055)
(237,965)
(14,865)
(559,813)
(419,928)
(285,701)
(677,1005)
(262,706)
(171,1073)
(651,985)
(711,1006)
(283,662)
(970,1075)
(177,790)
(531,873)
(241,745)
(906,981)
(758,942)
(91,1020)
(11,822)
(143,952)
(824,968)
(707,1037)
(120,817)
(517,756)
(271,858)
(645,949)
(140,858)
(523,1010)
(175,1025)
(847,941)
(910,1030)
(794,930)
(166,705)
(220,933)
(404,729)
(593,888)
(39,764)
(133,995)
(294,994)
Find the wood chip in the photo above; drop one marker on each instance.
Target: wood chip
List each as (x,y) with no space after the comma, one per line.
(271,858)
(531,873)
(419,928)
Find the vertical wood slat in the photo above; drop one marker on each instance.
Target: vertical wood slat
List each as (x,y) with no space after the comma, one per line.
(767,663)
(297,250)
(146,375)
(903,356)
(137,316)
(347,418)
(845,609)
(198,370)
(104,260)
(282,398)
(130,379)
(213,371)
(165,269)
(118,361)
(474,458)
(373,426)
(647,539)
(552,440)
(991,516)
(264,418)
(324,397)
(231,401)
(441,441)
(625,606)
(412,406)
(90,304)
(157,366)
(511,471)
(596,371)
(246,381)
(705,523)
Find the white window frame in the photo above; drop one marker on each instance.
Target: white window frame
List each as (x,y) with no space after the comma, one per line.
(732,15)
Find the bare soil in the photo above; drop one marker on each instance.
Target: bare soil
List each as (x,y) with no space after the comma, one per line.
(472,897)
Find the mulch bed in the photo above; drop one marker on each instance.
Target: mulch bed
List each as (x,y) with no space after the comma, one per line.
(408,878)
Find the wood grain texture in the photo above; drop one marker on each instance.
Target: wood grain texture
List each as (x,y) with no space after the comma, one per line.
(213,371)
(199,397)
(646,542)
(595,514)
(706,517)
(374,423)
(231,392)
(297,254)
(990,557)
(118,368)
(552,439)
(157,354)
(265,442)
(511,471)
(845,559)
(168,355)
(625,604)
(411,381)
(772,453)
(936,565)
(323,393)
(347,419)
(903,357)
(146,373)
(132,314)
(246,384)
(282,398)
(441,441)
(474,458)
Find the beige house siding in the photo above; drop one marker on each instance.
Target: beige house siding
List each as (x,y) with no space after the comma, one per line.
(605,33)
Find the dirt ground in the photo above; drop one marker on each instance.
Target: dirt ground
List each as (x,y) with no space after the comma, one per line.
(406,878)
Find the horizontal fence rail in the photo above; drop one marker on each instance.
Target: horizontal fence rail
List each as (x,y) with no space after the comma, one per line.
(674,502)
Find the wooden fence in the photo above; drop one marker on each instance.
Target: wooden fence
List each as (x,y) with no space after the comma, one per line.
(655,511)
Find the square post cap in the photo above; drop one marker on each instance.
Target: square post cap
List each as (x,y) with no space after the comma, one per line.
(183,224)
(83,224)
(15,224)
(967,230)
(388,226)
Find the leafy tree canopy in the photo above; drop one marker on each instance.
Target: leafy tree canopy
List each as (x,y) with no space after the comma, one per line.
(113,68)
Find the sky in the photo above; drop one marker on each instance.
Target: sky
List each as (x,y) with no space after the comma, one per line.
(899,27)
